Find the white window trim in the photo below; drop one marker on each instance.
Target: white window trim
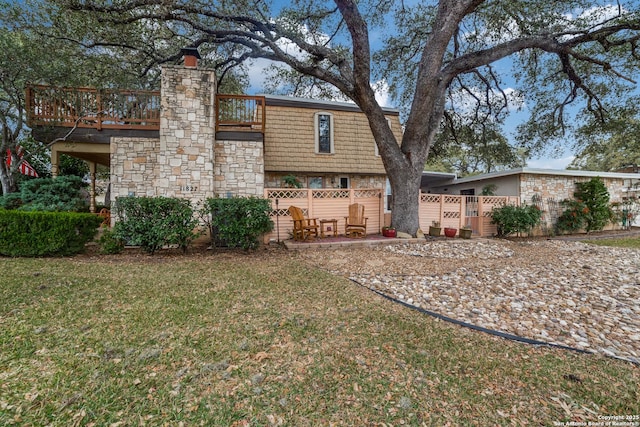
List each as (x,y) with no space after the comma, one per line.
(317,130)
(387,193)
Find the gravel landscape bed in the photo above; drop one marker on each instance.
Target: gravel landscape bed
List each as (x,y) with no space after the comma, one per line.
(560,292)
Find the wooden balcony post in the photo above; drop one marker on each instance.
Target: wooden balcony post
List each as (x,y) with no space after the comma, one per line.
(99,107)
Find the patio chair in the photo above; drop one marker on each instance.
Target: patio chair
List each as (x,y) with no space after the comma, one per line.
(105,214)
(356,222)
(303,228)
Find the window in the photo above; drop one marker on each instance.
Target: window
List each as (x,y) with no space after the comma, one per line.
(315,182)
(388,198)
(344,182)
(324,133)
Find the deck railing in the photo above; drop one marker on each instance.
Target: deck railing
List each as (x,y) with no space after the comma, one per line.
(93,108)
(240,113)
(130,109)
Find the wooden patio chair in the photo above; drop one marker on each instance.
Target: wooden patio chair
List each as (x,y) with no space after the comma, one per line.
(303,228)
(356,222)
(105,214)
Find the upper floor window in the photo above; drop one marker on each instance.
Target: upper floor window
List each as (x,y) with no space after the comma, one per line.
(324,133)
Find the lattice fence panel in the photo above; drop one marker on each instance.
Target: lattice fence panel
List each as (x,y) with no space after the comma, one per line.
(363,194)
(286,194)
(330,194)
(430,198)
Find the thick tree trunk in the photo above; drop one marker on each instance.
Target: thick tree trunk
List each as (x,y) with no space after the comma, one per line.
(405,191)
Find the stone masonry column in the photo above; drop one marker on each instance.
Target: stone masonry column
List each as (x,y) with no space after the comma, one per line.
(187,133)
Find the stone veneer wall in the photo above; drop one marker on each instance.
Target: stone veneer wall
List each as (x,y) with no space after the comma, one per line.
(187,132)
(133,166)
(561,187)
(239,168)
(186,161)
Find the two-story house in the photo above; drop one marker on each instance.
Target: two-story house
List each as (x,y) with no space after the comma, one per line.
(188,141)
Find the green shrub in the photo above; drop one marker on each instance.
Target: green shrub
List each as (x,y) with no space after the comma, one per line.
(515,219)
(155,222)
(589,211)
(61,194)
(34,234)
(110,243)
(11,201)
(237,222)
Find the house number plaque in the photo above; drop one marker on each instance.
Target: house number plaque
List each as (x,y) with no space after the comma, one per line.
(188,188)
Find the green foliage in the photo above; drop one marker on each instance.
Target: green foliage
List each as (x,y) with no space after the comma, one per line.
(589,211)
(155,222)
(489,190)
(515,219)
(626,212)
(10,201)
(607,145)
(237,222)
(572,219)
(34,234)
(291,181)
(469,148)
(110,243)
(64,193)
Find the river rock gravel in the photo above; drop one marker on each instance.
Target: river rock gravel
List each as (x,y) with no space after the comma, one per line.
(559,292)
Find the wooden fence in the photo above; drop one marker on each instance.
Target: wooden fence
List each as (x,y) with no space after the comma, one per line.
(323,204)
(458,211)
(449,210)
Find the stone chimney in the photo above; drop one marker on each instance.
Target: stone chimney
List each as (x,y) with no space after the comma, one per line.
(191,56)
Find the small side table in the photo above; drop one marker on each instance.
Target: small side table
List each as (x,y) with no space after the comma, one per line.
(334,226)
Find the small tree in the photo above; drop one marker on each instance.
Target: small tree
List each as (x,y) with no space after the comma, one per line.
(590,210)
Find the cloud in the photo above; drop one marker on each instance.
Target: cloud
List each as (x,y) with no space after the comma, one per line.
(549,163)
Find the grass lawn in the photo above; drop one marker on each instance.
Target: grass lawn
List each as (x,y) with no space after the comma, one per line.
(262,339)
(626,242)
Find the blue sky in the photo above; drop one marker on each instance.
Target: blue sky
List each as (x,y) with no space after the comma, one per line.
(557,160)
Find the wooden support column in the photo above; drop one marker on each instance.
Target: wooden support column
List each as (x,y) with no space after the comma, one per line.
(55,161)
(92,189)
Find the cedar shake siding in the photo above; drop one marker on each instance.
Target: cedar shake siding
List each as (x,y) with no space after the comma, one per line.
(290,139)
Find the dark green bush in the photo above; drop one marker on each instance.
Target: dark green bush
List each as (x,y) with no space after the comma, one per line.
(237,222)
(34,234)
(589,211)
(155,222)
(515,219)
(110,243)
(61,194)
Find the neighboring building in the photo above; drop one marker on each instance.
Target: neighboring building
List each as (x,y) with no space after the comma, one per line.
(188,141)
(526,183)
(545,187)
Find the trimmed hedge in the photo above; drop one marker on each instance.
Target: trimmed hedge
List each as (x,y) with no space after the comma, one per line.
(155,222)
(237,222)
(36,234)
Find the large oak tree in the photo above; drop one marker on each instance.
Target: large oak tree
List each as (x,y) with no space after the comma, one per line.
(430,53)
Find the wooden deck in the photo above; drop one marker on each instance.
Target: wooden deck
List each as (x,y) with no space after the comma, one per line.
(129,110)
